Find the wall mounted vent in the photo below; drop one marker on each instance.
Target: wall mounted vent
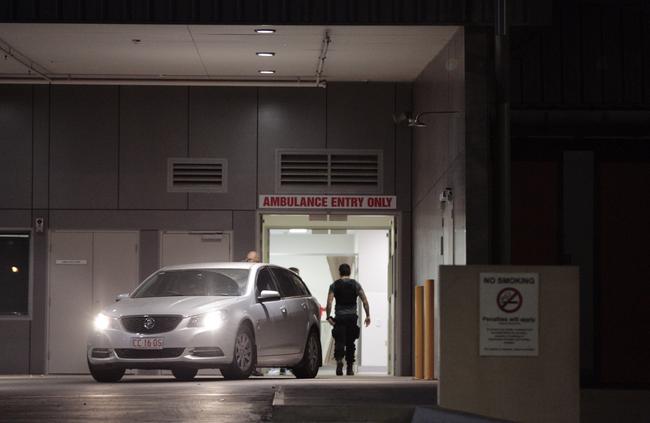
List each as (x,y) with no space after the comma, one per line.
(197,175)
(329,171)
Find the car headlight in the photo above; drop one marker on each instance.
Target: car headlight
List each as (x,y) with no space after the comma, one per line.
(211,320)
(102,322)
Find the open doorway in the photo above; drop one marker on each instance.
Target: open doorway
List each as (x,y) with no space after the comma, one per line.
(317,245)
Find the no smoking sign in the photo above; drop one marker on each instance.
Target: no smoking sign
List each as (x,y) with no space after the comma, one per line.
(509,318)
(509,300)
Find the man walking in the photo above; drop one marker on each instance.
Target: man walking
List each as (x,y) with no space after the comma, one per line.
(346,331)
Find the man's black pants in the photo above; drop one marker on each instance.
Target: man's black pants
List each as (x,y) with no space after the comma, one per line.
(345,332)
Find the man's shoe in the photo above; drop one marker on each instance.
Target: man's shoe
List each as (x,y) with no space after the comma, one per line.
(349,371)
(339,368)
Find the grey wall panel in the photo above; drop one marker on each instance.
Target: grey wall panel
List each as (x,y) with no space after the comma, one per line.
(403,142)
(153,128)
(439,160)
(244,227)
(41,127)
(14,354)
(359,115)
(84,142)
(149,252)
(16,146)
(426,240)
(15,218)
(404,306)
(223,124)
(288,118)
(38,333)
(180,220)
(479,100)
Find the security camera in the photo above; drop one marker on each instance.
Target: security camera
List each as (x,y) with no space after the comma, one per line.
(39,223)
(447,196)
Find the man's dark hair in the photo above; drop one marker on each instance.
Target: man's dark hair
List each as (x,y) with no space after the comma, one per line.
(344,269)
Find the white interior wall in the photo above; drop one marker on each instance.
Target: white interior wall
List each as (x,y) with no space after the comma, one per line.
(308,252)
(372,247)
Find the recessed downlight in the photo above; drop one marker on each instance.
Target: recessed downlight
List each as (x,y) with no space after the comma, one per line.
(266,72)
(265,53)
(265,31)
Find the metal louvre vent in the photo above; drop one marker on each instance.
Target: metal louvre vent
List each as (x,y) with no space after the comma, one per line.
(354,169)
(304,169)
(329,171)
(197,175)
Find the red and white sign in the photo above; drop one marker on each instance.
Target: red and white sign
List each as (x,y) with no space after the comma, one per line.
(364,202)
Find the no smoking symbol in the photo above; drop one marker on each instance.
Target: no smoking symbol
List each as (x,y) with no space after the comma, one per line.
(509,300)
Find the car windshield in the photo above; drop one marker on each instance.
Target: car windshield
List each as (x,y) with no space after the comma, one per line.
(194,282)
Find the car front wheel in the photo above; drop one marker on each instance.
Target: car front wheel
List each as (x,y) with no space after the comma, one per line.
(106,375)
(244,356)
(308,367)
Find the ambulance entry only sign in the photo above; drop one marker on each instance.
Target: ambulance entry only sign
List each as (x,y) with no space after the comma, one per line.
(509,314)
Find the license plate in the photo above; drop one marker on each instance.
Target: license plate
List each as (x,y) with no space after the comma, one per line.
(147,343)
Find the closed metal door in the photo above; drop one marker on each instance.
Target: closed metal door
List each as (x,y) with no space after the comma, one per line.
(71,299)
(115,266)
(87,271)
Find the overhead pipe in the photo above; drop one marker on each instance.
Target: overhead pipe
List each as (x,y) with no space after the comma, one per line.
(502,218)
(324,47)
(165,82)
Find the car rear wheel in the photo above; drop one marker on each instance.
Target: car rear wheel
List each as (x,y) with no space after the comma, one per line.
(244,355)
(106,375)
(308,367)
(184,374)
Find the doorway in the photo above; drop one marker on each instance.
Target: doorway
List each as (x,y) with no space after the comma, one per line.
(317,245)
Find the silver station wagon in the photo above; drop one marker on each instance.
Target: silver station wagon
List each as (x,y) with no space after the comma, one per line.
(230,316)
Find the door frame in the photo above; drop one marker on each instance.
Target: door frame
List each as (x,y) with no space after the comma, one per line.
(394,350)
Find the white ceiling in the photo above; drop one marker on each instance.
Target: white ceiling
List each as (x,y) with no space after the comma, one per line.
(373,53)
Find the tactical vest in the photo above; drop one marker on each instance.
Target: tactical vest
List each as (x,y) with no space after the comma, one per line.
(345,292)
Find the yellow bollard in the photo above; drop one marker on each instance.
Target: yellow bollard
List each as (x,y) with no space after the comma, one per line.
(418,305)
(429,334)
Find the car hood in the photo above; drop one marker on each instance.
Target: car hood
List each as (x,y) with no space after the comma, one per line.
(186,306)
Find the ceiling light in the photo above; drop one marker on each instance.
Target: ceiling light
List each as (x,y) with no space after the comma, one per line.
(266,72)
(14,269)
(298,231)
(265,31)
(265,53)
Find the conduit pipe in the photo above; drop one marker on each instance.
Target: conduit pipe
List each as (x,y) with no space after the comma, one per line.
(177,82)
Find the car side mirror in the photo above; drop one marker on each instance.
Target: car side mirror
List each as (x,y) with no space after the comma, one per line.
(268,295)
(121,297)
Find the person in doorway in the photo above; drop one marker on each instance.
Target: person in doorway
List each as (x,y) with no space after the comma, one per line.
(252,257)
(346,331)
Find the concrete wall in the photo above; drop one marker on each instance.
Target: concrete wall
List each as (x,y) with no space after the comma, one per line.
(542,388)
(94,157)
(439,158)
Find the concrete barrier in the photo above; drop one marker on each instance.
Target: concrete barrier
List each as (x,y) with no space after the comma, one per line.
(530,374)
